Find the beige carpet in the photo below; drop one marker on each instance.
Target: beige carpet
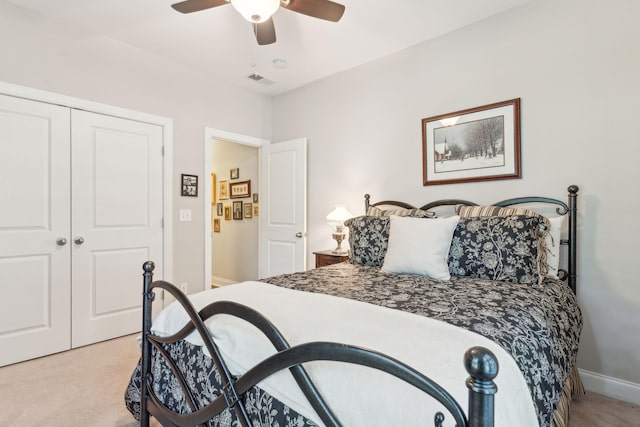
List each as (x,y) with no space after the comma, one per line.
(85,387)
(78,388)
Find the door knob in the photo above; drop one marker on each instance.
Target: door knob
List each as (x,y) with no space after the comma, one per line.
(299,235)
(78,240)
(61,241)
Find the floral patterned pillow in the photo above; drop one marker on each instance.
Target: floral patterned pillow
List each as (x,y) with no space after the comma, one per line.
(497,248)
(368,239)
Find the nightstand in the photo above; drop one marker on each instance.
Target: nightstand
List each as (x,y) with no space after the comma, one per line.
(324,258)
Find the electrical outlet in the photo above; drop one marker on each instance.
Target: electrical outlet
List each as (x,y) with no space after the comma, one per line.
(184,287)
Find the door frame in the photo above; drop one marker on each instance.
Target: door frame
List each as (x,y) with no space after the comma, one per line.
(209,135)
(167,141)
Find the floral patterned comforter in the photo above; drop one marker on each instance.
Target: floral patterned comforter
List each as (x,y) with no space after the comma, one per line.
(539,325)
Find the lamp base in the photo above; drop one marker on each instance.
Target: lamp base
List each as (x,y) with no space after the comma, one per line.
(339,237)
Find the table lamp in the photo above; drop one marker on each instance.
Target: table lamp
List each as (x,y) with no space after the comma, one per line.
(336,219)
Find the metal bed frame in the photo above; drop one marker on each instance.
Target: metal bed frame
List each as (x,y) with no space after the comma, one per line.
(480,363)
(570,208)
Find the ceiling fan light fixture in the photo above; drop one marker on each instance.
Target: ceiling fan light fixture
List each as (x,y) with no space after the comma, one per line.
(256,11)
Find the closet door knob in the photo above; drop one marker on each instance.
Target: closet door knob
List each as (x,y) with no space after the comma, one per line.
(78,240)
(61,241)
(299,235)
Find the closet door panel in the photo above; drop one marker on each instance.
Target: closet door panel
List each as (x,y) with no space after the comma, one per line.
(117,221)
(34,190)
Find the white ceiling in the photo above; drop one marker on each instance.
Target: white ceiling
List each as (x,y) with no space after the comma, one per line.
(220,43)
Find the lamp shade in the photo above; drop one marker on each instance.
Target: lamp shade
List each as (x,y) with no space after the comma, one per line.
(337,217)
(256,10)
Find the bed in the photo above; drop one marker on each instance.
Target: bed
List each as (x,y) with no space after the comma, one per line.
(501,299)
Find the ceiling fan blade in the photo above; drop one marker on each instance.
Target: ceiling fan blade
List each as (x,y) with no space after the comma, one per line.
(265,32)
(189,6)
(322,9)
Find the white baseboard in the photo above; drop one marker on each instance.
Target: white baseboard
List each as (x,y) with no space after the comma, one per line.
(611,387)
(221,281)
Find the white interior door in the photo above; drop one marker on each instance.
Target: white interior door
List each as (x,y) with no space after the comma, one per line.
(117,210)
(34,192)
(284,208)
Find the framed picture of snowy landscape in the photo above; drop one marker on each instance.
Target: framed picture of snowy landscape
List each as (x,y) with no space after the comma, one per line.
(477,144)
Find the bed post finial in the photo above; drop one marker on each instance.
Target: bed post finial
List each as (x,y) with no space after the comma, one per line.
(367,199)
(482,366)
(148,266)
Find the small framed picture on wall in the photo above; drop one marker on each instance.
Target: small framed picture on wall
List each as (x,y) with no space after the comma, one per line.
(223,194)
(189,185)
(239,190)
(216,225)
(237,210)
(213,188)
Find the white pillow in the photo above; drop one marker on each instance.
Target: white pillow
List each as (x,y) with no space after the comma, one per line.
(552,242)
(420,246)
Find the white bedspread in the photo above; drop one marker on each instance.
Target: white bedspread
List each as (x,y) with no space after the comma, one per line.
(359,396)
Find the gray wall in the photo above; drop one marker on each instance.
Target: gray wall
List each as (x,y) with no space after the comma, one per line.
(103,70)
(234,250)
(576,67)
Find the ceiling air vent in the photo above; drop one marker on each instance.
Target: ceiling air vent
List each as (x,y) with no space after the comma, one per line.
(260,79)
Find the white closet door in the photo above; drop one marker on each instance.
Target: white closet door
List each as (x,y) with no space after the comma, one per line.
(116,222)
(34,213)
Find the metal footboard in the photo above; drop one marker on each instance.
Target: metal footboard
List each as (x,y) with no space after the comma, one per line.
(480,363)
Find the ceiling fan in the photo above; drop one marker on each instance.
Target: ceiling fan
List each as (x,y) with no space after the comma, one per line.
(259,12)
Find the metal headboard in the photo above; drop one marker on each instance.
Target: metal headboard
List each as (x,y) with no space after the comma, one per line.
(569,208)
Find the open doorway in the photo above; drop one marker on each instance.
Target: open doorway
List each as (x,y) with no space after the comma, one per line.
(231,246)
(235,214)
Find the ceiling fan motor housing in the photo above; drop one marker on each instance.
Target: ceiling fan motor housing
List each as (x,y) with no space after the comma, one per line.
(256,11)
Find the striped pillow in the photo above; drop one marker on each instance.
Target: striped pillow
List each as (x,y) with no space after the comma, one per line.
(464,211)
(484,211)
(416,213)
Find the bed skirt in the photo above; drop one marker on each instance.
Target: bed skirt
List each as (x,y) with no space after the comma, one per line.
(572,387)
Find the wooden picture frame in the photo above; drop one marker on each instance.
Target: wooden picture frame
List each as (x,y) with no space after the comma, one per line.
(213,189)
(255,197)
(240,190)
(227,213)
(256,210)
(477,144)
(223,186)
(219,209)
(234,173)
(237,210)
(189,186)
(216,225)
(248,210)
